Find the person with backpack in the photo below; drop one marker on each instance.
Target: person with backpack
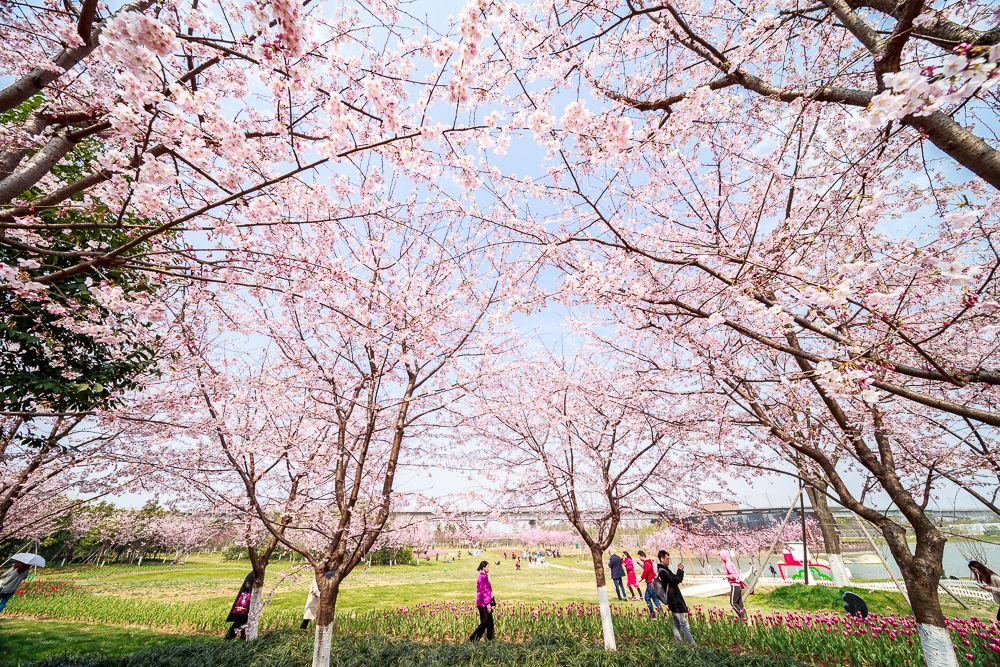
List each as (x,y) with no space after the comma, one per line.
(648,575)
(11,580)
(667,586)
(312,605)
(617,574)
(854,605)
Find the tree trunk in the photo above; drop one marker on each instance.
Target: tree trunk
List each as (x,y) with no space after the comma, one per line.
(328,592)
(321,648)
(831,536)
(256,606)
(922,572)
(607,624)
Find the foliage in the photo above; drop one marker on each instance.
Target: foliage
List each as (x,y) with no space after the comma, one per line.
(884,639)
(102,532)
(68,347)
(387,555)
(294,649)
(236,552)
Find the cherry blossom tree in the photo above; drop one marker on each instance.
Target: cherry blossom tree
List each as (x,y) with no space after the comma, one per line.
(233,430)
(706,536)
(914,64)
(589,440)
(365,332)
(751,232)
(781,218)
(546,537)
(51,465)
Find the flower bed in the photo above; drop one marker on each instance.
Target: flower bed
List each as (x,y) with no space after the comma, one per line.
(819,637)
(64,601)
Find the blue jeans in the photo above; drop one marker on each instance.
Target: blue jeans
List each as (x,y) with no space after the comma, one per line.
(650,597)
(3,600)
(619,589)
(681,628)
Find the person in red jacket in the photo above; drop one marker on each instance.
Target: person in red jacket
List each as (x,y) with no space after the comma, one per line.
(631,583)
(648,575)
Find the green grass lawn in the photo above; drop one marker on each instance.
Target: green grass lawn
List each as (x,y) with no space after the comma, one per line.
(194,598)
(208,580)
(26,640)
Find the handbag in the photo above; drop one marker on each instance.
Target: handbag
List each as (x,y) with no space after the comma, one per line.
(242,604)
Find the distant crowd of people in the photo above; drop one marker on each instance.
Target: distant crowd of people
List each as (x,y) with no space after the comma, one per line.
(535,557)
(663,584)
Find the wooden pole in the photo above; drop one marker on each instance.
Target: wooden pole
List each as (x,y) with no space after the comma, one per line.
(878,553)
(953,597)
(774,544)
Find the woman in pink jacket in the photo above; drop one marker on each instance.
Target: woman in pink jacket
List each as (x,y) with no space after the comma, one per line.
(484,603)
(630,581)
(736,585)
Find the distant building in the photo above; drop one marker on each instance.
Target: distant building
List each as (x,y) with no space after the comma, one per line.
(720,507)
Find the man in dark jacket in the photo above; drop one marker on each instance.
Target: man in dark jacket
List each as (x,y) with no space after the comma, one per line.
(669,583)
(617,574)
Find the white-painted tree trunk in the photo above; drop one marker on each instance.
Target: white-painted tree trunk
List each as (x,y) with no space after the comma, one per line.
(140,559)
(256,605)
(607,624)
(937,646)
(841,577)
(321,647)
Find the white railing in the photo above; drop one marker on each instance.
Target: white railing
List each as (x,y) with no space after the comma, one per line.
(958,588)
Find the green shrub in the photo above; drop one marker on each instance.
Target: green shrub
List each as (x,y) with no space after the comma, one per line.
(295,649)
(392,556)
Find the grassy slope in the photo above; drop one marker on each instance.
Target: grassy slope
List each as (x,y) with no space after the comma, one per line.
(815,598)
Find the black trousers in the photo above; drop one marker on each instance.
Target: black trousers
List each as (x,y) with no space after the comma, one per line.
(237,628)
(736,600)
(485,625)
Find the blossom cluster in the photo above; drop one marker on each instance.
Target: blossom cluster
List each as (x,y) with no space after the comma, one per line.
(923,90)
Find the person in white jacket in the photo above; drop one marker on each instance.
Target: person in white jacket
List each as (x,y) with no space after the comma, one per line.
(312,605)
(10,581)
